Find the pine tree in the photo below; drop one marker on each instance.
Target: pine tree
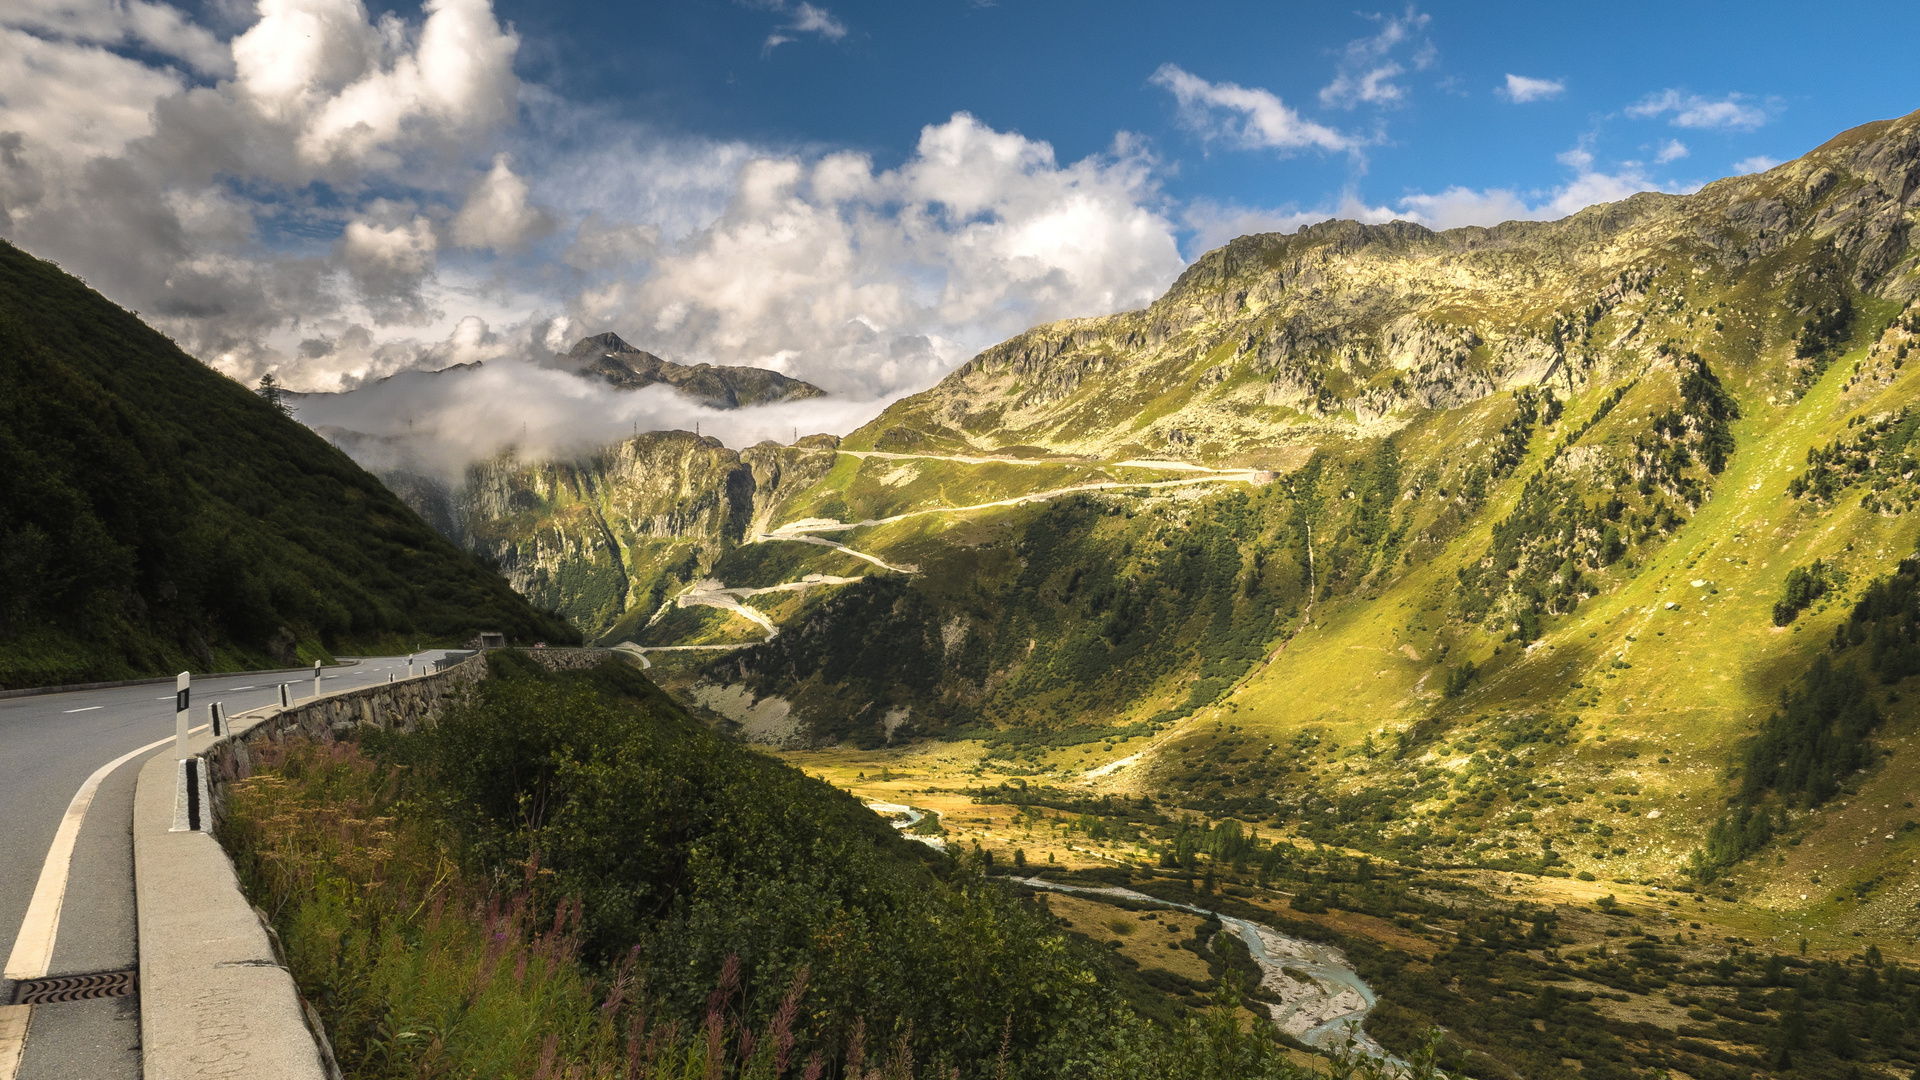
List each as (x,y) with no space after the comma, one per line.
(270,389)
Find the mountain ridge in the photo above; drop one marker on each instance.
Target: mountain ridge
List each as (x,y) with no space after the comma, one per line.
(625,367)
(1264,322)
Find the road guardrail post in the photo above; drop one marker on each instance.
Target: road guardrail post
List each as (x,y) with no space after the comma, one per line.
(180,694)
(316,678)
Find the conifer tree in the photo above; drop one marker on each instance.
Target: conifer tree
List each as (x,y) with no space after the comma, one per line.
(270,389)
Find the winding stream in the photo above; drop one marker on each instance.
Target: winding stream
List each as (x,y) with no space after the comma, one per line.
(1322,1000)
(913,817)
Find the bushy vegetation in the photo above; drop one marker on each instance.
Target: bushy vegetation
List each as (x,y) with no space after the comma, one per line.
(568,877)
(1803,586)
(1875,454)
(1514,1000)
(156,515)
(1546,555)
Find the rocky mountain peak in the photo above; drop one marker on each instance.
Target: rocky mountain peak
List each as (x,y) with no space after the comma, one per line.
(610,357)
(588,348)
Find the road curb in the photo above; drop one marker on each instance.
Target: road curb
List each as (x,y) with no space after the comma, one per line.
(214,999)
(74,688)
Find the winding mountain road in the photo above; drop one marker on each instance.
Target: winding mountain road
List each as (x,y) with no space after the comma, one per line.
(710,593)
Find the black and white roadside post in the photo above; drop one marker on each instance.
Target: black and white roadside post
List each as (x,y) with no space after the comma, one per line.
(217,720)
(180,694)
(286,696)
(191,792)
(409,665)
(316,678)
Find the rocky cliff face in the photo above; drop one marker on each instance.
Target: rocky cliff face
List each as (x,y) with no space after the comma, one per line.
(605,538)
(1350,329)
(607,357)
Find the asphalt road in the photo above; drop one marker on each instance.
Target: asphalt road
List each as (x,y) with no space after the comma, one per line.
(49,745)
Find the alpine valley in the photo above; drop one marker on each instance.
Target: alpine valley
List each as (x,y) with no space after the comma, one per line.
(1525,609)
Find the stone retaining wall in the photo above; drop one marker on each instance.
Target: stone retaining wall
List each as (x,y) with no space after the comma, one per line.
(395,706)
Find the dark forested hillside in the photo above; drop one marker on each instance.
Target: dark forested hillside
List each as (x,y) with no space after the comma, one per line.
(156,515)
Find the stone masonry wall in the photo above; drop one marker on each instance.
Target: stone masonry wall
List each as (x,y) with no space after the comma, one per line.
(396,706)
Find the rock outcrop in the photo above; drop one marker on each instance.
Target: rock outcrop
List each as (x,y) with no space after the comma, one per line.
(607,537)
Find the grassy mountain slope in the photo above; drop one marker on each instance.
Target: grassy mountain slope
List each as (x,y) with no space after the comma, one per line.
(1521,446)
(155,515)
(608,537)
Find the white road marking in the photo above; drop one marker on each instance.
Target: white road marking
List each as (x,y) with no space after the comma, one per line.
(33,948)
(237,689)
(89,708)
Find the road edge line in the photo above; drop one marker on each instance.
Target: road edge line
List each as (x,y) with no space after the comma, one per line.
(32,953)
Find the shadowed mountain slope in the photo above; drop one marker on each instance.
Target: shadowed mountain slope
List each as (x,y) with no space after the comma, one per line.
(155,515)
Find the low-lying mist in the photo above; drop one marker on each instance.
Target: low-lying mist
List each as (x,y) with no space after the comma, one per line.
(437,423)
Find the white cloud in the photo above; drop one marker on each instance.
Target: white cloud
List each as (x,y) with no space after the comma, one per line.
(870,281)
(807,19)
(159,27)
(1521,89)
(72,102)
(1756,164)
(497,215)
(1693,111)
(437,423)
(1366,69)
(1458,206)
(390,263)
(1243,117)
(1671,150)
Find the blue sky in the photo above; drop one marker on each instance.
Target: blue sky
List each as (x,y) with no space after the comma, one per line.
(1076,73)
(861,194)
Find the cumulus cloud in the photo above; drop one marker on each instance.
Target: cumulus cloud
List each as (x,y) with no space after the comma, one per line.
(296,180)
(1693,111)
(497,215)
(1368,65)
(1756,164)
(1247,118)
(390,263)
(1521,89)
(1671,150)
(161,28)
(339,197)
(868,281)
